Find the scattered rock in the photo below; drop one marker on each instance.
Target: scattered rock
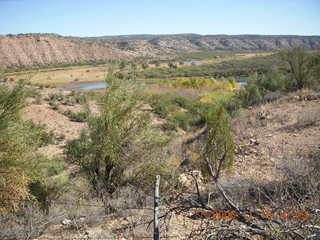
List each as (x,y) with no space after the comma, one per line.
(263,114)
(254,141)
(60,137)
(92,234)
(187,179)
(66,222)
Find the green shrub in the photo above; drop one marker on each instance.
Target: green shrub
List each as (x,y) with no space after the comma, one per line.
(233,105)
(180,111)
(162,104)
(199,110)
(40,133)
(161,109)
(172,65)
(182,101)
(272,81)
(80,117)
(232,81)
(45,191)
(76,117)
(145,65)
(2,75)
(169,126)
(19,142)
(261,88)
(55,97)
(31,92)
(50,166)
(219,147)
(241,67)
(185,120)
(69,100)
(78,148)
(74,98)
(249,95)
(216,96)
(119,141)
(182,119)
(53,105)
(303,67)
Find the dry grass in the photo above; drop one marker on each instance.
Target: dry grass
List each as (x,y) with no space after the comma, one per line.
(308,117)
(65,75)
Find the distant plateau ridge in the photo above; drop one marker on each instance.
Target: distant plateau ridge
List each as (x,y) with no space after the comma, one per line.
(46,49)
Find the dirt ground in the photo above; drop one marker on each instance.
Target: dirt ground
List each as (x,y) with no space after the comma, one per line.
(266,134)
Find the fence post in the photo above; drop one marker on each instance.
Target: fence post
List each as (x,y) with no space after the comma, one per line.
(156,226)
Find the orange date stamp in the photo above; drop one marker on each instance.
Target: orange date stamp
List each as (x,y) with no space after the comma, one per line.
(249,214)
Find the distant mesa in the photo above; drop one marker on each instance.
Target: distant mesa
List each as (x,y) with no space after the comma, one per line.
(47,48)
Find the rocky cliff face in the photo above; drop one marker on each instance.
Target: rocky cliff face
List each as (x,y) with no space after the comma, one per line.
(43,49)
(190,43)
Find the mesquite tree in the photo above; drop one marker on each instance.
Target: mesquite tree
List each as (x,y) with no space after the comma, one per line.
(119,141)
(17,150)
(219,148)
(303,67)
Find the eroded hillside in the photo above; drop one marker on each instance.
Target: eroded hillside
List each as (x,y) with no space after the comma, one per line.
(44,49)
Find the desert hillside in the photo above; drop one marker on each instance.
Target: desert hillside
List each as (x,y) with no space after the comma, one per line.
(44,49)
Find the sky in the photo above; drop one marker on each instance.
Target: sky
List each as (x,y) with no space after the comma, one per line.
(121,17)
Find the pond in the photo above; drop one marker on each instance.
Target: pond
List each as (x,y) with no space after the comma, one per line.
(85,86)
(94,85)
(242,79)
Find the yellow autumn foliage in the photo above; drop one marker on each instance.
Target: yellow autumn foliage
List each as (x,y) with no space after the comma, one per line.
(197,83)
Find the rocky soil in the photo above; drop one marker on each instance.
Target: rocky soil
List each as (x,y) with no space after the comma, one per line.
(269,134)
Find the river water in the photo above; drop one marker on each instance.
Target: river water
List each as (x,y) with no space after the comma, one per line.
(99,85)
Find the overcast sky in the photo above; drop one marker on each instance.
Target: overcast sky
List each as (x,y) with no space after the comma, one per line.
(116,17)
